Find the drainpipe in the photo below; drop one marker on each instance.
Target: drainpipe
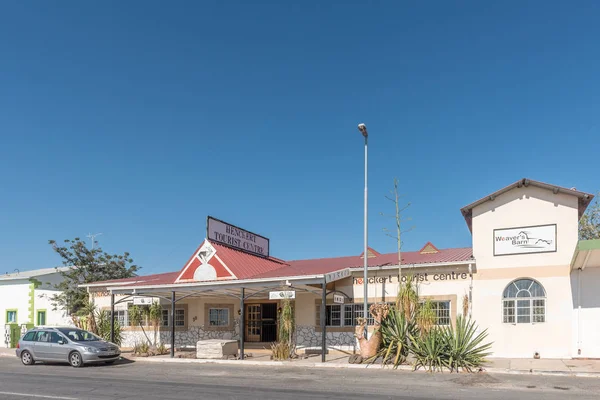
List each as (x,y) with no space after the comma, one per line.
(579,311)
(471,291)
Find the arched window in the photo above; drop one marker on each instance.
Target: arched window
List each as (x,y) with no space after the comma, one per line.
(524,302)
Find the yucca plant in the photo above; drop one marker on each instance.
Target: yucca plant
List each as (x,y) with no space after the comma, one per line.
(430,350)
(464,347)
(395,332)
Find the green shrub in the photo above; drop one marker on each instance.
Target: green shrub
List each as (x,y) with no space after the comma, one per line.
(464,349)
(162,349)
(395,331)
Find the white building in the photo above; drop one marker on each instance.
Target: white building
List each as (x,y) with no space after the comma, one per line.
(527,280)
(25,302)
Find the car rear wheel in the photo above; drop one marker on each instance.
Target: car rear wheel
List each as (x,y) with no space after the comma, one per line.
(27,358)
(75,360)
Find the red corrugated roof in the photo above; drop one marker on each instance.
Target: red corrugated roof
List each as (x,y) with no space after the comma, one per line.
(325,265)
(166,277)
(248,266)
(244,265)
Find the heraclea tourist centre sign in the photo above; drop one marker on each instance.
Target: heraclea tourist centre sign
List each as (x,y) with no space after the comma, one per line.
(238,238)
(525,240)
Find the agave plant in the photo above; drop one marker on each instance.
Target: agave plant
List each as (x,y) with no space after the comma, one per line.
(395,331)
(429,349)
(465,348)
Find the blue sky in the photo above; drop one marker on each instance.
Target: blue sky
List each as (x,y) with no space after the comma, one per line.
(139,119)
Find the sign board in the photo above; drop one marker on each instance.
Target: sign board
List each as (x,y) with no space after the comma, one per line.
(525,240)
(238,238)
(337,275)
(338,299)
(283,294)
(143,301)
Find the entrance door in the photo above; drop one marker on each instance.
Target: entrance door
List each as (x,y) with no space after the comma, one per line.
(253,323)
(269,322)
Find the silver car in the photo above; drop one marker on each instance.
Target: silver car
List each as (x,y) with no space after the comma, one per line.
(72,345)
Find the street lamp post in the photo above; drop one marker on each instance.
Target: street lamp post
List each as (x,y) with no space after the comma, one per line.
(363,129)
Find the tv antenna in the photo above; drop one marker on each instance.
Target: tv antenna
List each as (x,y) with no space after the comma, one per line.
(93,237)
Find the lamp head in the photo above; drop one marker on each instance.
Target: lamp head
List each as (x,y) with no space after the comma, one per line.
(363,129)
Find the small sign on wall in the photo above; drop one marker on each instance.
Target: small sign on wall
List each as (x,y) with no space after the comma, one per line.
(143,301)
(338,299)
(283,294)
(525,240)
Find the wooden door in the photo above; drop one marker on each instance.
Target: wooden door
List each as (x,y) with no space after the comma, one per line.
(253,323)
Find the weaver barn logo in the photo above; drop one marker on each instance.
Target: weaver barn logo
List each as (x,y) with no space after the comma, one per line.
(531,239)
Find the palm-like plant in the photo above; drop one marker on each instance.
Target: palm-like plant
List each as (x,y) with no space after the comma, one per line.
(465,348)
(103,323)
(395,332)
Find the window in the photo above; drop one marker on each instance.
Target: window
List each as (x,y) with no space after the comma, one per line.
(442,312)
(11,316)
(218,316)
(29,336)
(179,317)
(339,315)
(41,318)
(165,318)
(524,302)
(54,337)
(121,317)
(43,336)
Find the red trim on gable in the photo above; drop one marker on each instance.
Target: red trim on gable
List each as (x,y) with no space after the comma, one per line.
(187,273)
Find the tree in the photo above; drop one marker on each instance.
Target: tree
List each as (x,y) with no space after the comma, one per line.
(589,225)
(395,198)
(86,266)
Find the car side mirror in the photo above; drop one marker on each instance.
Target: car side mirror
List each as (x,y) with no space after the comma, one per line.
(61,342)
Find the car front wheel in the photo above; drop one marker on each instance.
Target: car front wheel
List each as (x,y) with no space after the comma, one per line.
(26,358)
(75,360)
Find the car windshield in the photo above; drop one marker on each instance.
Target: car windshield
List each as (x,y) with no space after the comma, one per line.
(79,335)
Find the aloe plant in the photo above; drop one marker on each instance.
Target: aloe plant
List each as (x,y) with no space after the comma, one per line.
(464,346)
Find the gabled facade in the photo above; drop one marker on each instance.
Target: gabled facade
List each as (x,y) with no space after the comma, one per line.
(517,281)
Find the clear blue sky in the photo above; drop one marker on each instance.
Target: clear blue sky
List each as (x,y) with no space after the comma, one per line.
(139,119)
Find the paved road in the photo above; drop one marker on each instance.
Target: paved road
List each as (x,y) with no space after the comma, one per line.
(146,381)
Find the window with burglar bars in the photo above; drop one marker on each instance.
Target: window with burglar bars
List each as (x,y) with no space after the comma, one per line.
(442,312)
(121,317)
(218,316)
(524,302)
(339,315)
(179,317)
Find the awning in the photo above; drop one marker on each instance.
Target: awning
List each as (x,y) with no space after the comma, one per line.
(587,255)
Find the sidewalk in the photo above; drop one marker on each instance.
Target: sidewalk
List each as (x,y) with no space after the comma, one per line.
(562,367)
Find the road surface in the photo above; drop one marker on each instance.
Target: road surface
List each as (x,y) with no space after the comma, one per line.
(147,381)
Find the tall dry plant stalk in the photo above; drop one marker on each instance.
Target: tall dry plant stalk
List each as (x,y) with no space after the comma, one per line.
(465,305)
(425,317)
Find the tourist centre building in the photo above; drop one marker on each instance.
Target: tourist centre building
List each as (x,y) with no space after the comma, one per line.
(527,279)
